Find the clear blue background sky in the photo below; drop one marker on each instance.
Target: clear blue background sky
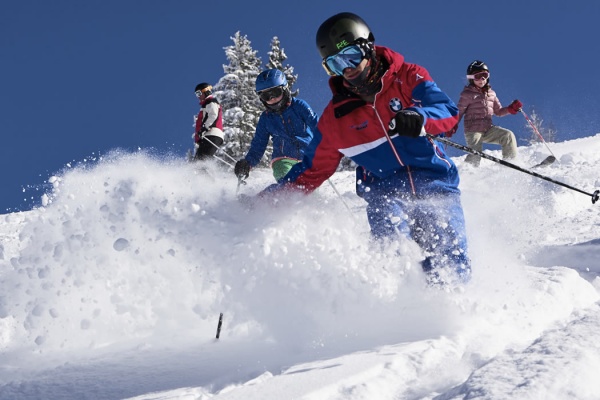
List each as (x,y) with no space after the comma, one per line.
(79,78)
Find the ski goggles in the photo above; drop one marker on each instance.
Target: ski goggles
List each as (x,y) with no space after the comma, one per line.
(199,93)
(479,76)
(270,93)
(348,57)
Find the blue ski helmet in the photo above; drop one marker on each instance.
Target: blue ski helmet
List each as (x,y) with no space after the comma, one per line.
(270,78)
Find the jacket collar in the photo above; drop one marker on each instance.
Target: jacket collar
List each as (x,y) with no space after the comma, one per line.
(475,89)
(206,100)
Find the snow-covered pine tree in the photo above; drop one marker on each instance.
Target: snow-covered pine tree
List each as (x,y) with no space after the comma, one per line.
(549,134)
(536,121)
(236,93)
(276,58)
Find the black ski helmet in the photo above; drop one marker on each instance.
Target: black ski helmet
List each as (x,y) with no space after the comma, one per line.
(476,66)
(341,30)
(204,88)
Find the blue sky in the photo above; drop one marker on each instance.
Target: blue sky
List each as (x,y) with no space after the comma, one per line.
(80,78)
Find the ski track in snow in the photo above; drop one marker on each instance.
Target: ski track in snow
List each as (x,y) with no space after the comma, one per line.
(114,287)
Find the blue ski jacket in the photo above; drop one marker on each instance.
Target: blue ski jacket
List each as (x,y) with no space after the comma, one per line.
(291,131)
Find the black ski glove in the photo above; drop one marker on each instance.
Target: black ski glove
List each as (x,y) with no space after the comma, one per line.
(406,123)
(242,169)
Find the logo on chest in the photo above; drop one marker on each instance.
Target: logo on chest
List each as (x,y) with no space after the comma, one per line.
(395,105)
(360,126)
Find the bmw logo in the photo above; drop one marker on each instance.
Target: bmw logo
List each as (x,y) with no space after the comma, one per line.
(395,104)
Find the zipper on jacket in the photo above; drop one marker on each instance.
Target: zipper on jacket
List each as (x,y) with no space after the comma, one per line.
(389,139)
(291,136)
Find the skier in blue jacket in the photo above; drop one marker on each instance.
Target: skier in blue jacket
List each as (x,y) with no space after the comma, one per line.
(289,122)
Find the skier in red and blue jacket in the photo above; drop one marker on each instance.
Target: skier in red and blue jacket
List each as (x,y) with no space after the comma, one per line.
(381,108)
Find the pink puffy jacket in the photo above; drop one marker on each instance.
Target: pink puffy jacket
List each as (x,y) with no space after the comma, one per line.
(478,107)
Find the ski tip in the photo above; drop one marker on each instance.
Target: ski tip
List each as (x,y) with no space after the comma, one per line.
(546,161)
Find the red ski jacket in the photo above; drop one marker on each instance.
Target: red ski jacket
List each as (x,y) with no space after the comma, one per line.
(351,127)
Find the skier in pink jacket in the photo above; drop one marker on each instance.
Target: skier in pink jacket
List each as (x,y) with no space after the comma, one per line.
(477,104)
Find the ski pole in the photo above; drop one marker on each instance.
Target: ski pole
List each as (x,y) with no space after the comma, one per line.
(241,181)
(219,325)
(536,131)
(191,158)
(595,196)
(340,196)
(218,148)
(223,161)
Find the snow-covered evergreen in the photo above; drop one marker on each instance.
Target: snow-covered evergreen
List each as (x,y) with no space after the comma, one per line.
(548,132)
(236,93)
(277,57)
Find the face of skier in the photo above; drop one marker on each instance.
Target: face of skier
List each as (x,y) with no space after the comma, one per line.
(201,97)
(355,64)
(351,74)
(203,94)
(272,95)
(275,100)
(481,78)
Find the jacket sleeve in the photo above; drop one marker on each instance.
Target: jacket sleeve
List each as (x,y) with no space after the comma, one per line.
(198,127)
(439,111)
(499,111)
(463,104)
(211,113)
(321,159)
(259,143)
(309,116)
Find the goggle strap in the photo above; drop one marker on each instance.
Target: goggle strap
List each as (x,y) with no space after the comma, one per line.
(473,76)
(326,68)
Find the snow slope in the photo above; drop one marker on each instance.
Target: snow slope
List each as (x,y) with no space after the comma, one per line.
(114,287)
